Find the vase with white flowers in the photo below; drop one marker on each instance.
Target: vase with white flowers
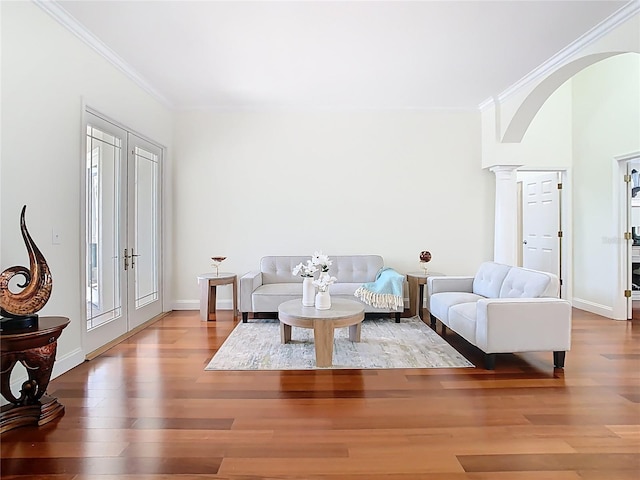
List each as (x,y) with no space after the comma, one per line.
(306,271)
(323,299)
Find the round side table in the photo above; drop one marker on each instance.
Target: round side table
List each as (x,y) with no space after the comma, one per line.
(208,284)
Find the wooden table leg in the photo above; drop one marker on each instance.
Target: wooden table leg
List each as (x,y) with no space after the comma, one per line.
(235,298)
(285,333)
(323,339)
(32,407)
(413,295)
(207,300)
(211,303)
(421,301)
(354,332)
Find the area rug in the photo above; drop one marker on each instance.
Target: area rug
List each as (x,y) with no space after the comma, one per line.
(384,344)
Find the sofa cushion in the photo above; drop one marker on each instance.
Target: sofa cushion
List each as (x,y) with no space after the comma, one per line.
(277,269)
(462,319)
(346,268)
(347,289)
(440,303)
(489,278)
(355,268)
(267,298)
(522,283)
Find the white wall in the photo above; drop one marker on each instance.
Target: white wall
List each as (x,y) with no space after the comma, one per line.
(46,74)
(390,183)
(606,123)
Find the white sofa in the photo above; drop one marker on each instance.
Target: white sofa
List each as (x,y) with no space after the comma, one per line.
(265,289)
(503,309)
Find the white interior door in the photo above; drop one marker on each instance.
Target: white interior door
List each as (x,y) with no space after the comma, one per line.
(541,222)
(632,213)
(123,276)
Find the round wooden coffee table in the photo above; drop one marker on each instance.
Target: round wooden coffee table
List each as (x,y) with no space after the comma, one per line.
(343,313)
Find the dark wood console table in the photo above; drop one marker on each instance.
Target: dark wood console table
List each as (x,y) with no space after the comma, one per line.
(35,349)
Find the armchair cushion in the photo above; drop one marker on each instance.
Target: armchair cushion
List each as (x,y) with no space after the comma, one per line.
(488,281)
(440,309)
(462,319)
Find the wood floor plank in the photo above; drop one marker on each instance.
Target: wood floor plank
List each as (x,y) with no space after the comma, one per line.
(147,410)
(551,461)
(110,466)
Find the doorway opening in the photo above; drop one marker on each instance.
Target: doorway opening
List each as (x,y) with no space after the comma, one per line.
(543,235)
(627,191)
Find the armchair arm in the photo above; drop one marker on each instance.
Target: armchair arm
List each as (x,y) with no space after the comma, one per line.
(523,324)
(248,283)
(449,284)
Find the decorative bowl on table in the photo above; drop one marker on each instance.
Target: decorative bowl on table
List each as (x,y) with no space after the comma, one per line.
(216,263)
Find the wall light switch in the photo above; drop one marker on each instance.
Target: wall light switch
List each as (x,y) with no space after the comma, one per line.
(55,237)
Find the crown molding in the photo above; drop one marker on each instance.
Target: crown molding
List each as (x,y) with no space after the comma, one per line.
(70,23)
(282,108)
(489,102)
(612,22)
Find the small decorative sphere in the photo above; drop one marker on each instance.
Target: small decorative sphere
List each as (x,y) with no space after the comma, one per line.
(425,256)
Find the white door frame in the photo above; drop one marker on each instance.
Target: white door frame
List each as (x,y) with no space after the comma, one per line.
(566,212)
(86,109)
(621,305)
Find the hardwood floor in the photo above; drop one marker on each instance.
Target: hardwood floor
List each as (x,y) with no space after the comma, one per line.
(146,409)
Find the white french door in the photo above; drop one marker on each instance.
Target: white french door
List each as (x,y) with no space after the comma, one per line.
(123,267)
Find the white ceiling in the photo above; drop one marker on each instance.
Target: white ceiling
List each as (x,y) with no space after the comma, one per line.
(444,54)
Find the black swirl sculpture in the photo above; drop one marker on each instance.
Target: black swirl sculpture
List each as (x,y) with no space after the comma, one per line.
(22,306)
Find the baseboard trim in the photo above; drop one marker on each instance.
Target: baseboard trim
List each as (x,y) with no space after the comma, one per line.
(67,362)
(221,304)
(602,310)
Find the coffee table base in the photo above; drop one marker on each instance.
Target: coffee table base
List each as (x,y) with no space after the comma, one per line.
(343,313)
(323,335)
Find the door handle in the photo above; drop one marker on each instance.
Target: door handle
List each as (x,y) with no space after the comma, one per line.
(524,241)
(133,259)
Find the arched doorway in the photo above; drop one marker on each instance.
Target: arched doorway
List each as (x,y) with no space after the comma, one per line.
(593,254)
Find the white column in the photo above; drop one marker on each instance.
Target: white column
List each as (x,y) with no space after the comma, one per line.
(505,248)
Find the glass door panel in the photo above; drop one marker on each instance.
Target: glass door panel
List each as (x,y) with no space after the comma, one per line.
(144,237)
(146,271)
(105,293)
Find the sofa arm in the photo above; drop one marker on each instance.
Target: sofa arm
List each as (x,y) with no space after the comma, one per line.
(523,325)
(248,283)
(449,284)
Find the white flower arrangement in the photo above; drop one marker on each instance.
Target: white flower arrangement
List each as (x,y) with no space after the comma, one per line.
(324,281)
(305,270)
(321,261)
